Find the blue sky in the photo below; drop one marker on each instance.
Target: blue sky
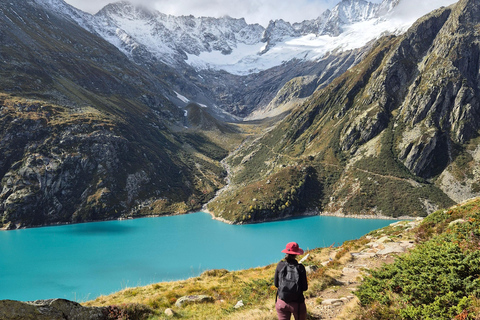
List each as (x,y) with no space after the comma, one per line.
(254,11)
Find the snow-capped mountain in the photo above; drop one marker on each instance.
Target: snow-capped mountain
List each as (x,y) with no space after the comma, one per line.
(192,53)
(233,45)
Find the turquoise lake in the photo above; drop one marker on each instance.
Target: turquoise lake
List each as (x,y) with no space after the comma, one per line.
(83,261)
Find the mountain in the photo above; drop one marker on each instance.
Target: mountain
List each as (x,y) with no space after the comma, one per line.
(87,134)
(219,43)
(395,133)
(237,56)
(97,122)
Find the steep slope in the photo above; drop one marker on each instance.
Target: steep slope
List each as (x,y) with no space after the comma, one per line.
(86,134)
(396,133)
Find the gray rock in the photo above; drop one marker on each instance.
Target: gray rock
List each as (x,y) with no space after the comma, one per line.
(332,302)
(311,269)
(169,312)
(185,300)
(49,310)
(392,248)
(458,221)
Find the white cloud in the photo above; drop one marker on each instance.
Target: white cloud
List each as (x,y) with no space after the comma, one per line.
(258,11)
(407,9)
(254,11)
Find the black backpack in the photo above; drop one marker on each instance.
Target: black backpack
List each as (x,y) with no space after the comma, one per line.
(289,283)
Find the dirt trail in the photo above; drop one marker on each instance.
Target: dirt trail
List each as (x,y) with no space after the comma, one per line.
(335,302)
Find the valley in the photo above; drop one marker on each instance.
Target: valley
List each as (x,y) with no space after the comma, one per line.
(365,111)
(114,127)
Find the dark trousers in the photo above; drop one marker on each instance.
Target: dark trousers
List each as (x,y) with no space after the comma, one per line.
(285,310)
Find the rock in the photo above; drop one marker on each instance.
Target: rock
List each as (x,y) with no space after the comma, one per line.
(348,270)
(49,310)
(396,223)
(456,222)
(185,300)
(332,302)
(311,269)
(169,312)
(239,304)
(383,240)
(365,255)
(392,248)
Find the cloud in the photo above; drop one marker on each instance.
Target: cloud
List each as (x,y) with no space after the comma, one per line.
(414,9)
(254,11)
(259,11)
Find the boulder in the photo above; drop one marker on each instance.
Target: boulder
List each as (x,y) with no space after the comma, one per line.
(458,221)
(333,302)
(392,248)
(239,304)
(311,269)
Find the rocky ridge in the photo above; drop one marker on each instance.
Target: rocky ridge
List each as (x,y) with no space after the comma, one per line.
(90,133)
(54,309)
(171,38)
(148,36)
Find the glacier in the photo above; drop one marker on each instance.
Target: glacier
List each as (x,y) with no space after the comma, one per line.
(232,45)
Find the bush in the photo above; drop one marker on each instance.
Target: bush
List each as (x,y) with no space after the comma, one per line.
(437,280)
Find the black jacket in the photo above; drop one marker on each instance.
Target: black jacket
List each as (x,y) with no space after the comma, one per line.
(302,273)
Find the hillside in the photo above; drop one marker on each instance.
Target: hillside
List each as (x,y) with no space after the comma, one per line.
(395,135)
(86,134)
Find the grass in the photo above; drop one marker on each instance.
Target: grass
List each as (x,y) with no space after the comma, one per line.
(252,286)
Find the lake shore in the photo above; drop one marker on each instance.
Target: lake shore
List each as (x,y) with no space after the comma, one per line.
(10,227)
(315,213)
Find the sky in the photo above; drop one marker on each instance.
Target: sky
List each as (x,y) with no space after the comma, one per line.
(254,11)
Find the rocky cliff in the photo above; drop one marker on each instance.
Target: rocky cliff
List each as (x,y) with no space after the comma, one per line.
(396,133)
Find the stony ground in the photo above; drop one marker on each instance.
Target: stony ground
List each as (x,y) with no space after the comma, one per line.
(335,302)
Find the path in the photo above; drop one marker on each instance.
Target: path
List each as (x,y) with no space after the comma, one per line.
(335,302)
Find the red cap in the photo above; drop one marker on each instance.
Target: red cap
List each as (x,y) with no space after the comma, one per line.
(292,248)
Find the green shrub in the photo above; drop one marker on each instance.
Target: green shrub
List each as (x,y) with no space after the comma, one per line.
(435,281)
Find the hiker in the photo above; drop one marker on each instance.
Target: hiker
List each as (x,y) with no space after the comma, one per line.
(291,281)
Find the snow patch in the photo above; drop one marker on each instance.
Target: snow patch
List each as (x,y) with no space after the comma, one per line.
(183,98)
(246,59)
(237,47)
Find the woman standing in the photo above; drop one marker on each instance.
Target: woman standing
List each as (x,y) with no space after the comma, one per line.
(291,281)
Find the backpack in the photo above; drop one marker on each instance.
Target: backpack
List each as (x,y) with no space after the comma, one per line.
(289,283)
